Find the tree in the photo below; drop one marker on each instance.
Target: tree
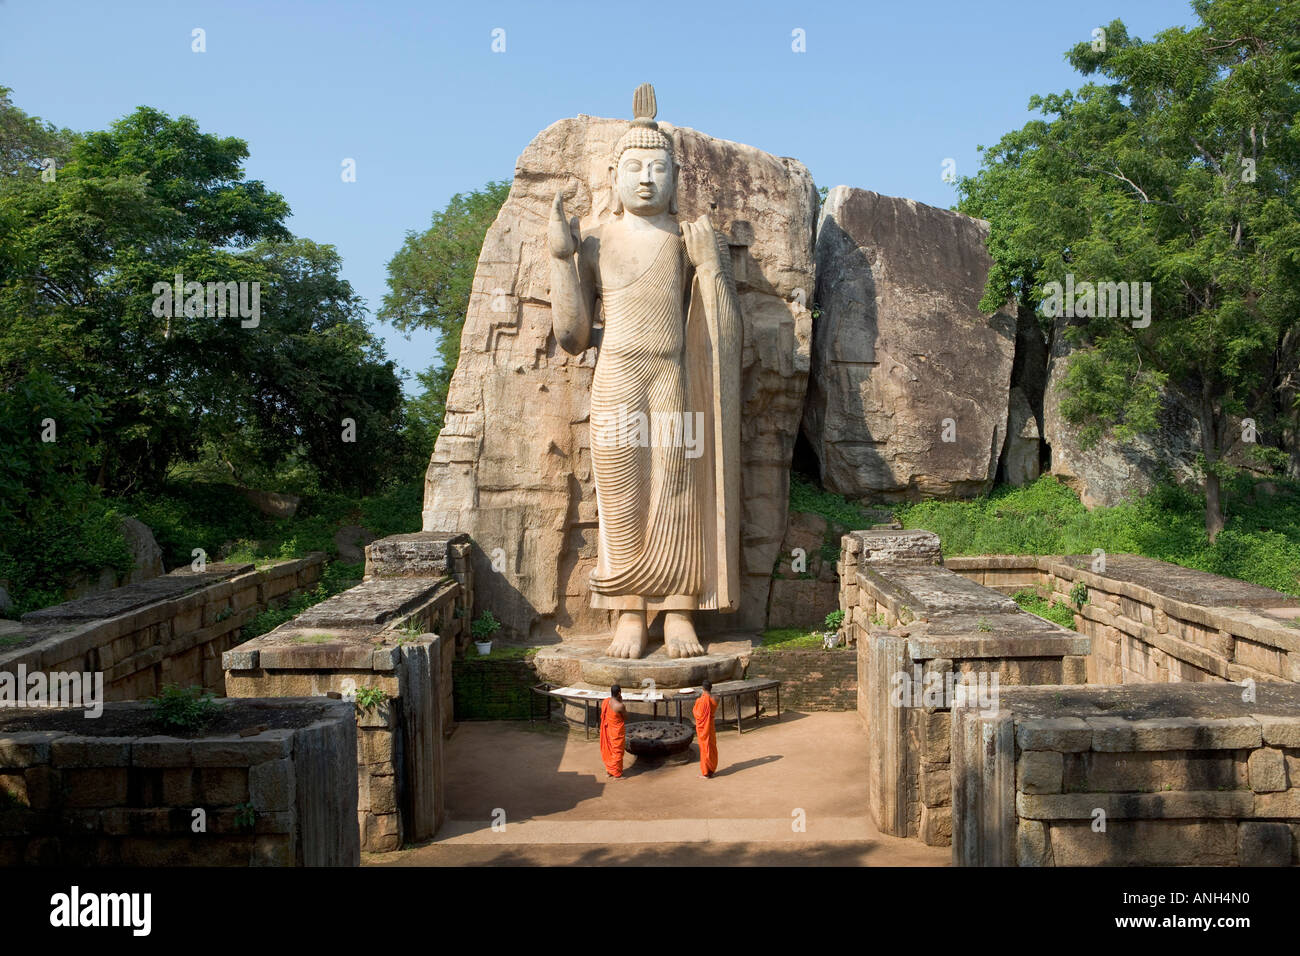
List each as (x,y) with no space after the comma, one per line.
(1181,170)
(429,281)
(134,206)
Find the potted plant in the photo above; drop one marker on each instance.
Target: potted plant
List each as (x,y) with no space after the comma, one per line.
(482,630)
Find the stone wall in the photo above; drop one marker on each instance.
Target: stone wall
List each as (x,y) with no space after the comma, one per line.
(495,689)
(394,637)
(280,795)
(1152,621)
(811,679)
(1152,774)
(169,629)
(921,632)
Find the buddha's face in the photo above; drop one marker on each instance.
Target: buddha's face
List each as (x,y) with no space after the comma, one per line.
(645,180)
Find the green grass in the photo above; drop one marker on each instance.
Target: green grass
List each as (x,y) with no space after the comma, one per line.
(1259,543)
(787,638)
(1033,602)
(503,652)
(841,514)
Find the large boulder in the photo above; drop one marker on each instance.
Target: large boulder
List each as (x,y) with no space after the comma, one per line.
(512,466)
(1110,471)
(908,394)
(145,552)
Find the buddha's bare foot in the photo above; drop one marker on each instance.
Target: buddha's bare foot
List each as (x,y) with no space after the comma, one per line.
(630,635)
(679,635)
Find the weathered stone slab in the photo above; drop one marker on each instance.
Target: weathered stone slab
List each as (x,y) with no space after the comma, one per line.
(371,602)
(1185,584)
(120,600)
(425,554)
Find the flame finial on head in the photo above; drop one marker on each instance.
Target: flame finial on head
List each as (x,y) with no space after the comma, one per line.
(644,107)
(644,132)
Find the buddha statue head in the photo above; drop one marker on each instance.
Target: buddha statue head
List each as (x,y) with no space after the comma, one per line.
(643,176)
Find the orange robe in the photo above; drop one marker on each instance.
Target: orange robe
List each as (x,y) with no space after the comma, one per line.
(612,736)
(704,710)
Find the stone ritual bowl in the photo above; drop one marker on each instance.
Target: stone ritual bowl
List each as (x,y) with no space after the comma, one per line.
(658,738)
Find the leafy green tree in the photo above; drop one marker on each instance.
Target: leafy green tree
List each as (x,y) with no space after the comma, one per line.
(26,141)
(1181,168)
(429,281)
(134,206)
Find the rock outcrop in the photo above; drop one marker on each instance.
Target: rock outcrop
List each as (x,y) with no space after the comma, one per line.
(1109,472)
(909,389)
(512,465)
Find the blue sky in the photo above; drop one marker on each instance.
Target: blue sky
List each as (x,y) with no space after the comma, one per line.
(885,92)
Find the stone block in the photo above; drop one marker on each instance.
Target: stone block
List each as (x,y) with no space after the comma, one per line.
(936,735)
(1062,734)
(14,784)
(44,785)
(221,786)
(935,826)
(383,794)
(161,752)
(1284,805)
(95,787)
(1279,731)
(91,752)
(1039,771)
(1074,669)
(1186,804)
(1267,770)
(1263,844)
(1146,843)
(936,787)
(1032,847)
(26,749)
(382,833)
(1154,771)
(1174,733)
(271,785)
(374,746)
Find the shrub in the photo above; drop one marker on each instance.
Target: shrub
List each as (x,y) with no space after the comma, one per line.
(484,626)
(185,708)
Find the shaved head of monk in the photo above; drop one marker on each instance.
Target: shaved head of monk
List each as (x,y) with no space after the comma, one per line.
(616,692)
(708,686)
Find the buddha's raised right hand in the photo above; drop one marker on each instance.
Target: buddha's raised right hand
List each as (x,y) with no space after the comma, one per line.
(561,234)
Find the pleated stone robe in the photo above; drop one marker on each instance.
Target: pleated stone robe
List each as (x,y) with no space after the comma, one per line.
(668,371)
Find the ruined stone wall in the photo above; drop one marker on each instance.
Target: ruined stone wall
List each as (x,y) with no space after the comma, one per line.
(920,630)
(1156,775)
(170,629)
(1152,621)
(811,679)
(389,644)
(283,796)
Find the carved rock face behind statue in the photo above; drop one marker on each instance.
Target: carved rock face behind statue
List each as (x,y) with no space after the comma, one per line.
(513,465)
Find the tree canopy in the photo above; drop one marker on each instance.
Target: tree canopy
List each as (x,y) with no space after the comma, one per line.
(1178,168)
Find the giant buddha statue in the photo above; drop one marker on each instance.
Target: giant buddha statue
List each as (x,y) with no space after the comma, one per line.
(657,298)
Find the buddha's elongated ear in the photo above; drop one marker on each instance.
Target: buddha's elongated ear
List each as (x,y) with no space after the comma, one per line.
(672,203)
(617,204)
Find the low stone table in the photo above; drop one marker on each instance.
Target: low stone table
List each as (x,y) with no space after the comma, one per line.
(658,738)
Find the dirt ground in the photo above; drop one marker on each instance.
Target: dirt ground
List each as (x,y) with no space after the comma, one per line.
(547,791)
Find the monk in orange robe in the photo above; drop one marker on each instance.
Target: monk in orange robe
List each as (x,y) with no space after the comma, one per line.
(704,710)
(613,715)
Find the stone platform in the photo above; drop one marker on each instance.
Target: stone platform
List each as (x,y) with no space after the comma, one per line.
(582,660)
